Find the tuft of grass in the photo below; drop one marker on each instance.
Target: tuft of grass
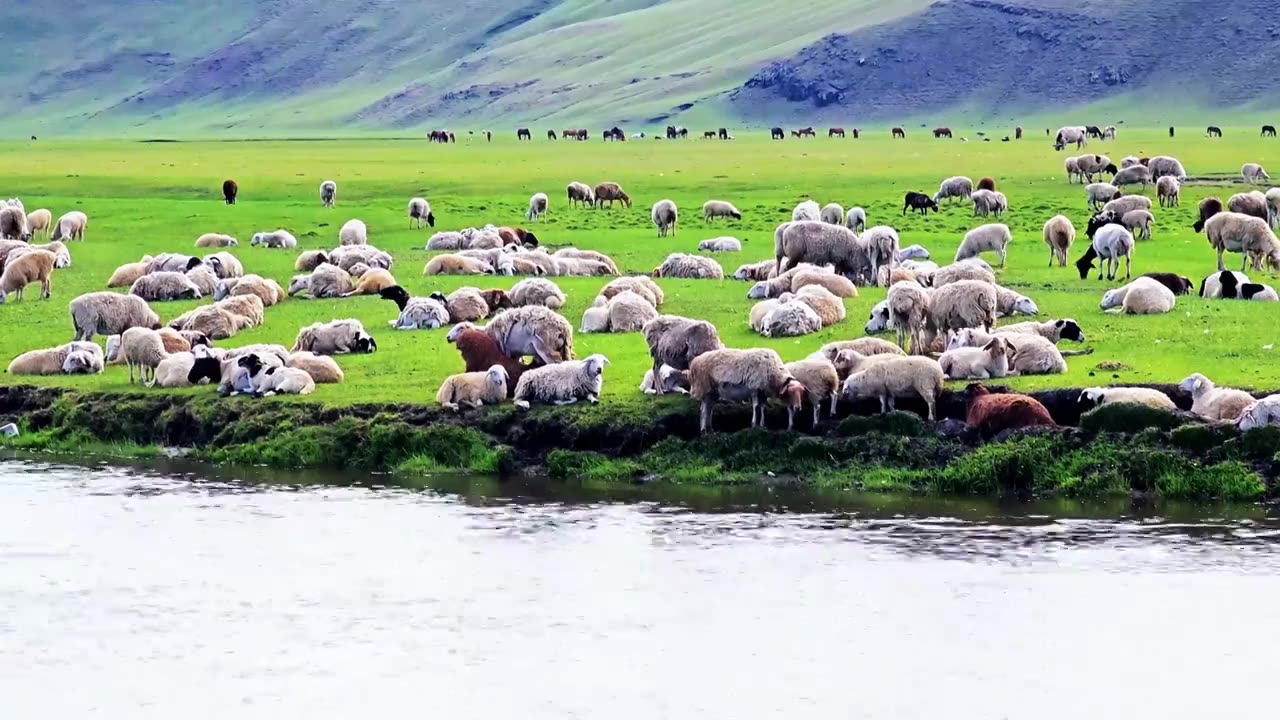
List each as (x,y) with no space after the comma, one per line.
(1127,418)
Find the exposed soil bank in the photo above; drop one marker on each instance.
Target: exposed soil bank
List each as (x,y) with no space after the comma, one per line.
(1111,451)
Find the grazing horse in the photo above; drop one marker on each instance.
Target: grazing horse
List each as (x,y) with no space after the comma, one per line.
(942,132)
(1093,131)
(724,133)
(835,132)
(1268,131)
(551,134)
(899,134)
(777,134)
(806,132)
(1213,131)
(523,134)
(856,132)
(1017,133)
(709,135)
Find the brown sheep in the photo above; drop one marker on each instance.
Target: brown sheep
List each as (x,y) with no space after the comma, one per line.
(229,191)
(995,413)
(496,299)
(480,352)
(987,183)
(611,191)
(33,266)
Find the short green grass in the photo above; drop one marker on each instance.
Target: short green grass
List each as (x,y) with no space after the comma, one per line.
(154,197)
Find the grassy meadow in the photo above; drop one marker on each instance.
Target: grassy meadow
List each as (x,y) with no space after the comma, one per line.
(146,198)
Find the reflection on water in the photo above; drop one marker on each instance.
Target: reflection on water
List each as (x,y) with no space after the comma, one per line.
(196,592)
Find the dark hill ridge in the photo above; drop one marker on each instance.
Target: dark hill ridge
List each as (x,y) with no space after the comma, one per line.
(1025,56)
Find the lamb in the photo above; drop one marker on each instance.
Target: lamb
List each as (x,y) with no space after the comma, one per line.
(964,270)
(1054,331)
(738,375)
(13,224)
(353,232)
(1253,173)
(970,363)
(575,253)
(321,368)
(629,312)
(537,208)
(456,265)
(537,291)
(334,338)
(1138,222)
(36,265)
(70,226)
(372,282)
(563,383)
(1110,243)
(1245,234)
(676,341)
(1098,396)
(790,319)
(1260,413)
(907,310)
(838,285)
(474,389)
(51,361)
(994,237)
(416,313)
(807,211)
(639,284)
(673,380)
(309,260)
(204,279)
(993,413)
(691,267)
(467,304)
(856,219)
(479,352)
(274,239)
(720,244)
(953,188)
(39,221)
(880,246)
(419,210)
(984,203)
(1214,403)
(819,244)
(1136,175)
(266,290)
(896,377)
(533,330)
(209,240)
(818,377)
(717,209)
(580,194)
(326,281)
(664,217)
(1209,207)
(832,214)
(830,309)
(1009,302)
(1032,354)
(1098,194)
(596,317)
(610,191)
(755,271)
(328,193)
(960,305)
(347,255)
(1059,234)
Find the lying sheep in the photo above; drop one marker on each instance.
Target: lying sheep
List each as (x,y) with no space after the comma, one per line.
(720,244)
(468,304)
(671,380)
(958,187)
(629,312)
(321,368)
(1167,191)
(596,317)
(1260,414)
(832,214)
(474,389)
(213,321)
(274,239)
(761,310)
(416,313)
(353,232)
(821,383)
(972,363)
(173,262)
(913,252)
(309,260)
(537,291)
(1094,397)
(576,254)
(1245,234)
(80,362)
(447,240)
(1214,403)
(563,383)
(224,265)
(456,265)
(739,375)
(692,267)
(994,237)
(1143,296)
(1031,354)
(537,208)
(807,211)
(1225,284)
(676,341)
(346,256)
(479,353)
(1009,302)
(970,269)
(204,280)
(208,240)
(790,319)
(1054,331)
(638,284)
(1138,222)
(372,282)
(827,305)
(326,281)
(334,338)
(757,271)
(856,219)
(532,330)
(419,210)
(52,361)
(33,266)
(838,285)
(895,377)
(266,290)
(1059,234)
(328,193)
(719,209)
(994,413)
(663,215)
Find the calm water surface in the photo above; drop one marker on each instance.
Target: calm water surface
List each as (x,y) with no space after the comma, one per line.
(128,593)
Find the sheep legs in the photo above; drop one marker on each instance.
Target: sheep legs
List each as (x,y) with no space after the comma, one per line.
(657,381)
(1221,267)
(704,415)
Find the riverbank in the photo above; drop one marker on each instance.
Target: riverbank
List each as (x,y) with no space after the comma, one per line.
(1112,451)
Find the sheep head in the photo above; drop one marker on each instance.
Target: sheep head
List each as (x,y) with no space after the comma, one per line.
(497,375)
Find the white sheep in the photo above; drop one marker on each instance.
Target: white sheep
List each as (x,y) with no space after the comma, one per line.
(1253,173)
(537,291)
(419,210)
(719,209)
(1099,396)
(680,265)
(268,381)
(208,240)
(1214,403)
(1143,296)
(109,313)
(326,281)
(821,383)
(1052,330)
(907,311)
(790,319)
(1099,194)
(957,187)
(832,214)
(1127,203)
(807,211)
(856,219)
(1009,302)
(563,383)
(737,376)
(1031,354)
(1273,206)
(971,269)
(537,208)
(473,388)
(596,317)
(274,239)
(1110,243)
(1136,175)
(960,305)
(664,217)
(819,244)
(334,338)
(720,244)
(1260,413)
(328,193)
(1059,234)
(1251,236)
(895,377)
(827,305)
(353,232)
(984,202)
(993,237)
(977,363)
(629,312)
(51,361)
(1139,223)
(672,380)
(1162,165)
(879,245)
(70,226)
(142,348)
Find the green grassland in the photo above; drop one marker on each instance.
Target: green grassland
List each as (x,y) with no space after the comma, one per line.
(156,197)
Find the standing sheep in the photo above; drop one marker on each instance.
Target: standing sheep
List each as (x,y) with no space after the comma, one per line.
(328,193)
(832,214)
(580,194)
(1136,175)
(818,377)
(993,237)
(36,265)
(13,224)
(807,211)
(108,313)
(818,243)
(419,210)
(1139,223)
(1163,165)
(958,187)
(739,375)
(537,208)
(676,341)
(1099,194)
(610,191)
(532,330)
(1167,190)
(1059,234)
(960,305)
(39,222)
(1253,173)
(1245,234)
(1110,243)
(880,247)
(856,219)
(719,209)
(664,217)
(70,226)
(895,377)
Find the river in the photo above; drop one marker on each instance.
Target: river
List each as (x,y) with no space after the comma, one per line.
(189,593)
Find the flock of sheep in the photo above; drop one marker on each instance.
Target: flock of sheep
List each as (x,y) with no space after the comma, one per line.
(949,320)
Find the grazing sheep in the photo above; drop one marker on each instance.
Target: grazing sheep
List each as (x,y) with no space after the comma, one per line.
(537,208)
(913,252)
(1072,166)
(609,192)
(13,224)
(790,319)
(807,211)
(372,282)
(1099,194)
(1059,234)
(208,240)
(53,361)
(993,413)
(419,210)
(907,311)
(676,341)
(958,187)
(1167,191)
(832,214)
(1162,165)
(326,281)
(820,381)
(416,313)
(70,226)
(828,306)
(664,217)
(474,389)
(1139,223)
(1110,243)
(456,265)
(533,330)
(1127,203)
(224,265)
(819,244)
(1033,354)
(720,244)
(580,194)
(1091,165)
(994,237)
(856,219)
(985,202)
(1071,134)
(321,368)
(895,377)
(266,290)
(1245,234)
(629,312)
(1136,175)
(692,267)
(1214,403)
(919,202)
(165,285)
(39,222)
(639,284)
(36,265)
(274,239)
(739,375)
(880,247)
(563,383)
(1094,397)
(672,380)
(1260,413)
(719,209)
(328,193)
(353,232)
(537,291)
(1273,206)
(334,338)
(1253,173)
(1052,330)
(971,363)
(971,269)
